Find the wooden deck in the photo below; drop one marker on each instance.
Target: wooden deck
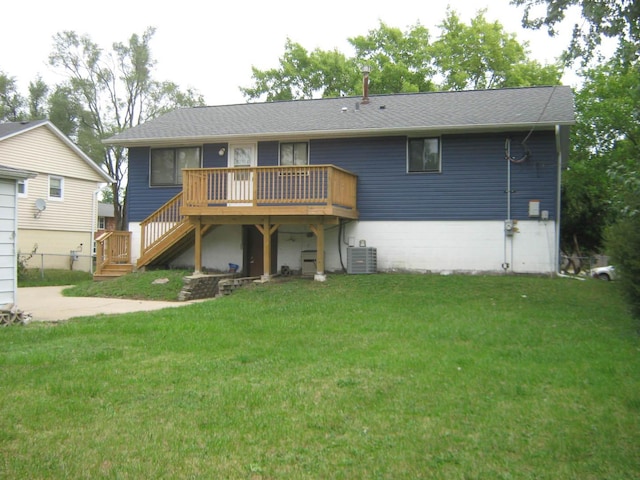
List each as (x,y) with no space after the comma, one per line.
(266,197)
(283,191)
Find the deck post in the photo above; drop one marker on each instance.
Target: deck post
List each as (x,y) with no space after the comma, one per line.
(198,247)
(320,276)
(267,231)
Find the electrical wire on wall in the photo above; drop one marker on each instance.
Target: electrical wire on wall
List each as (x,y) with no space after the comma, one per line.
(341,240)
(526,155)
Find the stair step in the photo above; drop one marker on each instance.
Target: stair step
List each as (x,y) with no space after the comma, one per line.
(113,271)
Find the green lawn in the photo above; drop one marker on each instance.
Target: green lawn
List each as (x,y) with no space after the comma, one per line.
(35,277)
(360,377)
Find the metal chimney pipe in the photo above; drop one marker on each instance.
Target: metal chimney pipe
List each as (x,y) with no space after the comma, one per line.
(365,84)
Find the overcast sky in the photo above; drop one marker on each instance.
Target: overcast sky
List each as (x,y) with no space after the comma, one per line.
(211,46)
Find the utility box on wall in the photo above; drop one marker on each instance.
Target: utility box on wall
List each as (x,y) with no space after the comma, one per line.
(362,260)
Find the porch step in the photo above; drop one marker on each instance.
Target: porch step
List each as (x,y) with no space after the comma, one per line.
(113,271)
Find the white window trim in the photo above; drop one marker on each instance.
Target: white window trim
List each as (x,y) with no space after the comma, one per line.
(425,172)
(294,142)
(24,194)
(61,197)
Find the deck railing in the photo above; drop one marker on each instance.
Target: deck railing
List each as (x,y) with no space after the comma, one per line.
(113,247)
(269,186)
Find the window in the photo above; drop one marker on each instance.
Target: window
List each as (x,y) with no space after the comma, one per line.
(56,188)
(22,188)
(292,154)
(102,223)
(167,164)
(424,155)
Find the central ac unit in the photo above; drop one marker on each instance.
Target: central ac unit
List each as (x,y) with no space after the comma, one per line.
(361,260)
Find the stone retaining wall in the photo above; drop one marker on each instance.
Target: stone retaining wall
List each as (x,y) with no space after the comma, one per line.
(201,286)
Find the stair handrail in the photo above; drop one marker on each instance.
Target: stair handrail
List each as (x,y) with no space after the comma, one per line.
(160,224)
(112,247)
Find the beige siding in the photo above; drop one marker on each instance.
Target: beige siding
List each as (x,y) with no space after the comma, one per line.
(54,249)
(40,150)
(75,212)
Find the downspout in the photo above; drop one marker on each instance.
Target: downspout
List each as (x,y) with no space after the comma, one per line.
(559,148)
(505,264)
(94,221)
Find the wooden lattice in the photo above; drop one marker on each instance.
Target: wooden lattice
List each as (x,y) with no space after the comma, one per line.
(10,315)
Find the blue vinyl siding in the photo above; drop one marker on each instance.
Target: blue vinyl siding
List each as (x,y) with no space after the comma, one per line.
(143,200)
(471,186)
(268,154)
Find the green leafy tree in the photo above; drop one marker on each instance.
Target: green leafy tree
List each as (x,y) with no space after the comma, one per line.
(482,55)
(623,242)
(604,160)
(402,61)
(38,91)
(303,75)
(618,19)
(64,110)
(106,93)
(12,104)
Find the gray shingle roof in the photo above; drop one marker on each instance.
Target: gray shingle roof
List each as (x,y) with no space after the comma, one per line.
(385,114)
(11,128)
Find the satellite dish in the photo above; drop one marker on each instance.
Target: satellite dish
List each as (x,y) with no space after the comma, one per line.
(41,205)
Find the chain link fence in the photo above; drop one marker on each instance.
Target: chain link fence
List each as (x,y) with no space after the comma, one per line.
(41,262)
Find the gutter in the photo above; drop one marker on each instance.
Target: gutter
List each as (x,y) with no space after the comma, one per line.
(315,134)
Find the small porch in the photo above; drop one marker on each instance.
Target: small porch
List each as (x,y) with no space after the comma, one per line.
(264,197)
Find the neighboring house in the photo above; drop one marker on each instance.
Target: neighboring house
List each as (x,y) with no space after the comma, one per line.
(9,180)
(435,182)
(106,218)
(57,209)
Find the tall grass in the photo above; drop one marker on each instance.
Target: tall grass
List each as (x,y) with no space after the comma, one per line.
(381,376)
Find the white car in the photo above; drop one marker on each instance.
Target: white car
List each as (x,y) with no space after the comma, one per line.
(604,273)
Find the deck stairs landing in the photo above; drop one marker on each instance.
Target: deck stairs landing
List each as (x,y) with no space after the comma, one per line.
(113,255)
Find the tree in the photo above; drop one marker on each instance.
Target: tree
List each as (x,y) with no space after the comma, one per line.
(303,75)
(37,101)
(107,93)
(603,164)
(623,242)
(478,56)
(11,102)
(403,61)
(482,55)
(603,19)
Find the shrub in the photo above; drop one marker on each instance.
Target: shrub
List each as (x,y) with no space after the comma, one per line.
(623,245)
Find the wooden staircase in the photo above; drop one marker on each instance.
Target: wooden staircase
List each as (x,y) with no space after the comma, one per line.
(165,234)
(113,255)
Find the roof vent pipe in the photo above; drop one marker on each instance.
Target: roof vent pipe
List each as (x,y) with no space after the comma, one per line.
(365,84)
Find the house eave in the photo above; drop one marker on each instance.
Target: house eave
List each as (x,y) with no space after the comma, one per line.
(317,134)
